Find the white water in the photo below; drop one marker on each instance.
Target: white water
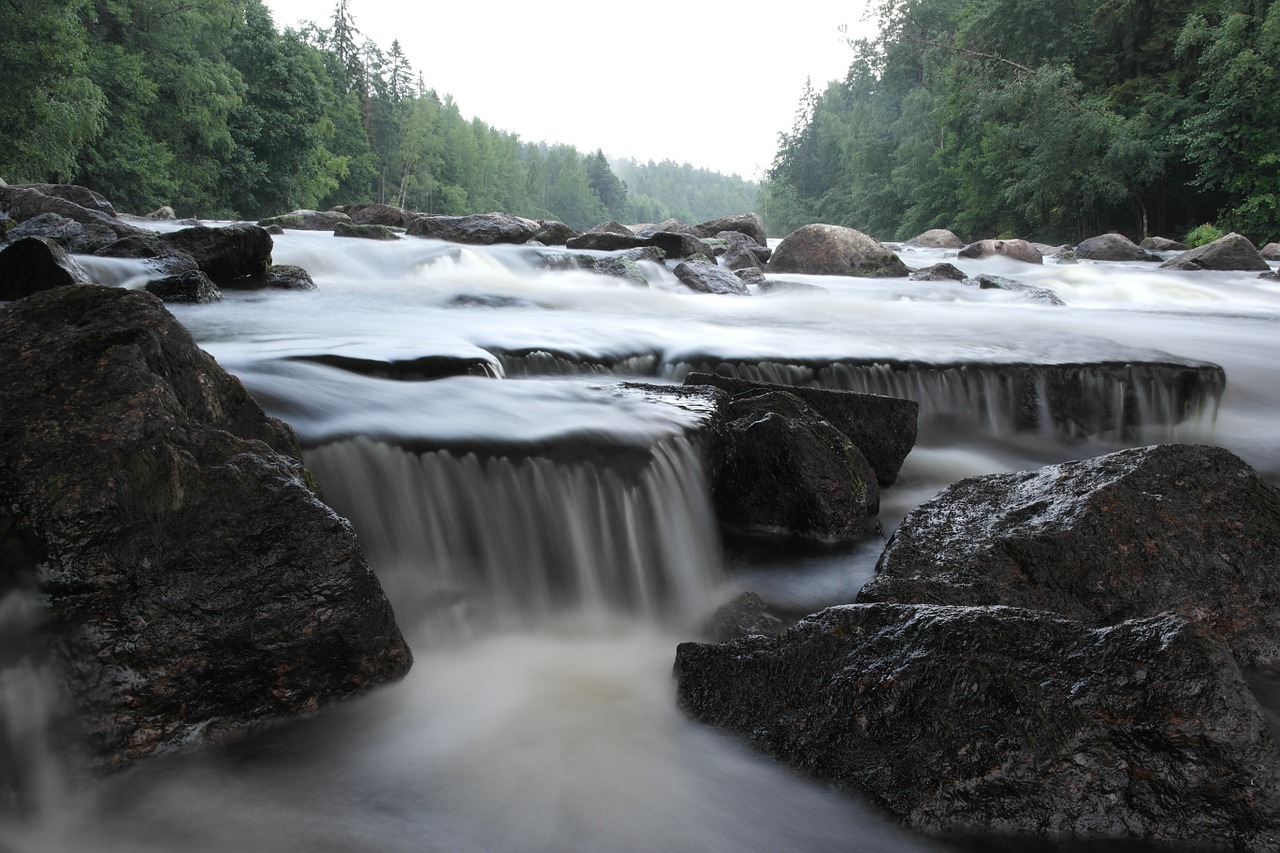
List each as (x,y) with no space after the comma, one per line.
(547,540)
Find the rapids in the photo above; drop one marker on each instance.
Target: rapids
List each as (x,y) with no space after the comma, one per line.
(546,535)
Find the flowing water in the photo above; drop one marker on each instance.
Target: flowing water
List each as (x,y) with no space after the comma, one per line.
(546,537)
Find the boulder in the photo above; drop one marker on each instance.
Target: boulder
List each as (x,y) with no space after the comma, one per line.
(76,237)
(834,250)
(33,264)
(672,225)
(366,232)
(612,227)
(378,214)
(1162,244)
(705,277)
(479,229)
(1018,250)
(1230,252)
(164,213)
(999,722)
(1270,252)
(740,253)
(938,272)
(82,196)
(742,617)
(1184,528)
(1036,294)
(675,244)
(224,254)
(750,224)
(24,203)
(195,586)
(192,287)
(755,275)
(275,277)
(1112,247)
(783,469)
(936,238)
(552,232)
(308,220)
(620,267)
(882,428)
(1064,255)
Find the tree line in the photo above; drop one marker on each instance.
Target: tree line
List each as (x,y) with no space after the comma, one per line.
(206,105)
(1052,119)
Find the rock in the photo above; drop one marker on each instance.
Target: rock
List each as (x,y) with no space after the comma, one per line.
(24,204)
(552,232)
(612,227)
(997,282)
(882,428)
(82,196)
(76,237)
(755,275)
(377,214)
(33,264)
(191,286)
(367,232)
(308,220)
(672,225)
(1005,722)
(1270,276)
(275,277)
(1162,244)
(707,277)
(164,213)
(781,285)
(745,616)
(750,224)
(936,238)
(675,244)
(1270,252)
(480,229)
(1065,255)
(786,470)
(1184,528)
(740,254)
(620,267)
(834,250)
(1018,250)
(224,254)
(1231,252)
(195,584)
(938,272)
(1112,247)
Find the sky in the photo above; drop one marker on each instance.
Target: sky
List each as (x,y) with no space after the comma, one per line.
(711,84)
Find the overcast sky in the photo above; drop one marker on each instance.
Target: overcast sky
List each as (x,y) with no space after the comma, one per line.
(710,84)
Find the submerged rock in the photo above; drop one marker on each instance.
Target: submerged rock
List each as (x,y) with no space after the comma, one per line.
(1184,528)
(33,264)
(1005,722)
(938,272)
(195,585)
(191,286)
(1018,250)
(1231,252)
(998,282)
(834,250)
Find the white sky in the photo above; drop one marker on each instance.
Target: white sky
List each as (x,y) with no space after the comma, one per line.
(710,84)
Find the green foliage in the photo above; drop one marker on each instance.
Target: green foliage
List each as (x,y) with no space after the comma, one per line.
(1201,235)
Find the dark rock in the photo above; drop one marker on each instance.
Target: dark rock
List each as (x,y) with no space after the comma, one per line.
(781,285)
(76,237)
(308,220)
(1231,252)
(834,250)
(32,264)
(707,277)
(676,245)
(883,428)
(276,277)
(938,272)
(1112,247)
(224,254)
(620,267)
(1270,252)
(1005,722)
(786,470)
(1162,244)
(750,224)
(1018,250)
(673,226)
(479,229)
(997,282)
(755,275)
(24,204)
(1183,528)
(195,585)
(1270,276)
(82,196)
(378,214)
(552,232)
(745,616)
(191,286)
(936,238)
(740,254)
(366,232)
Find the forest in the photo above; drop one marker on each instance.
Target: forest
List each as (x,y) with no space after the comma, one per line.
(210,108)
(1044,119)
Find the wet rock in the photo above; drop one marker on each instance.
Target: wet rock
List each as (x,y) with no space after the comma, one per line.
(675,244)
(1230,252)
(749,224)
(936,238)
(275,277)
(882,428)
(1270,252)
(785,470)
(834,250)
(365,232)
(755,275)
(224,254)
(1005,722)
(480,229)
(1018,250)
(938,272)
(552,232)
(997,282)
(1162,244)
(745,616)
(82,196)
(707,277)
(194,583)
(1112,247)
(308,220)
(741,252)
(34,264)
(25,203)
(191,286)
(378,214)
(1184,528)
(620,267)
(781,285)
(76,237)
